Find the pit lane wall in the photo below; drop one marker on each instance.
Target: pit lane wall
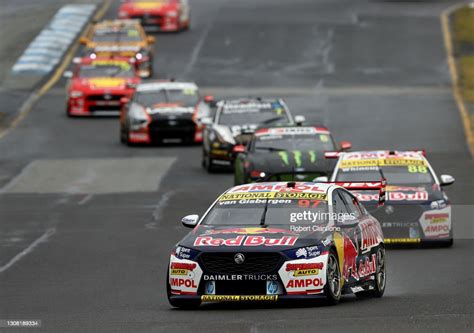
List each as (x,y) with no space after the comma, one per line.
(48,48)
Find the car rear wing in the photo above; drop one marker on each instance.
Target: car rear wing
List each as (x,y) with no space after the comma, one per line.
(366,186)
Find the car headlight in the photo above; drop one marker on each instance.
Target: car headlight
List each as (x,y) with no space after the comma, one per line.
(306,252)
(137,116)
(75,94)
(182,252)
(438,204)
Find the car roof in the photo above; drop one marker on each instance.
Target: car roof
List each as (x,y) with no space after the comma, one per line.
(164,85)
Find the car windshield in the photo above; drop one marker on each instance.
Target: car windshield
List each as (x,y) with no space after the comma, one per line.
(307,142)
(312,209)
(116,35)
(253,113)
(183,97)
(106,69)
(408,174)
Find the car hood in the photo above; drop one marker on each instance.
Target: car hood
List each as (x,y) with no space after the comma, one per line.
(97,83)
(245,238)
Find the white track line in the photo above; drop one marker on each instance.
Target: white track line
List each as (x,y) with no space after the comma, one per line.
(30,248)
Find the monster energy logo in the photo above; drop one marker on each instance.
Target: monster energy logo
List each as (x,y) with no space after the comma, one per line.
(297,156)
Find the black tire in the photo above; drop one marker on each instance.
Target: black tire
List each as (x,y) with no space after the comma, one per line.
(181,303)
(333,289)
(380,281)
(207,162)
(123,136)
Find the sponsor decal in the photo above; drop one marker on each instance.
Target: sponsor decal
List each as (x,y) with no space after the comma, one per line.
(273,288)
(394,196)
(239,298)
(284,157)
(305,187)
(297,156)
(367,267)
(107,82)
(245,107)
(402,240)
(240,277)
(371,234)
(245,241)
(436,223)
(308,252)
(184,275)
(380,162)
(273,195)
(349,262)
(247,231)
(307,283)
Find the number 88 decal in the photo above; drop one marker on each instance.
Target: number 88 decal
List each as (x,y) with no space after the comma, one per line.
(417,169)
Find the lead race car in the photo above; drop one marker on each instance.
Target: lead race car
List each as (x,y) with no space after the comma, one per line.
(159,15)
(279,241)
(417,210)
(233,125)
(164,110)
(286,153)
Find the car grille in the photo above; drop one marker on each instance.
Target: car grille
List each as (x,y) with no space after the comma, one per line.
(172,128)
(148,19)
(255,263)
(241,288)
(400,213)
(107,108)
(94,98)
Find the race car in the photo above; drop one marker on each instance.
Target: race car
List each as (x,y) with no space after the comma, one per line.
(234,123)
(97,86)
(279,241)
(160,15)
(286,153)
(164,110)
(124,38)
(417,210)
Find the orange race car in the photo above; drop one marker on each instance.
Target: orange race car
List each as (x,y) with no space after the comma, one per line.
(97,86)
(124,38)
(161,15)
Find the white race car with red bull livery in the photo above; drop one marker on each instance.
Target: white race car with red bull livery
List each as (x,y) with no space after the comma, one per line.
(416,210)
(279,241)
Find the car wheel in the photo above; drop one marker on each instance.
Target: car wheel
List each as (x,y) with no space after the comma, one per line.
(380,277)
(207,162)
(123,136)
(333,289)
(182,304)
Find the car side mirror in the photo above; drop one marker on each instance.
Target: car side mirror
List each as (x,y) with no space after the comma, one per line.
(124,100)
(190,221)
(67,74)
(321,179)
(206,120)
(210,100)
(239,149)
(150,39)
(446,180)
(299,120)
(345,145)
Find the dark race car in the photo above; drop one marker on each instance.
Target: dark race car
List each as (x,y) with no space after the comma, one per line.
(279,241)
(286,153)
(234,123)
(416,209)
(164,110)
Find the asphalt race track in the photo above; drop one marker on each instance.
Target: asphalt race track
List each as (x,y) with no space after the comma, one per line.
(96,220)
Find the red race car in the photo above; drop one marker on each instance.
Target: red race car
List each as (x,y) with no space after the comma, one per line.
(161,15)
(97,86)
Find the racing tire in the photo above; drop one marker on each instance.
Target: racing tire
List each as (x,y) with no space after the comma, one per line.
(181,304)
(380,280)
(207,162)
(333,288)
